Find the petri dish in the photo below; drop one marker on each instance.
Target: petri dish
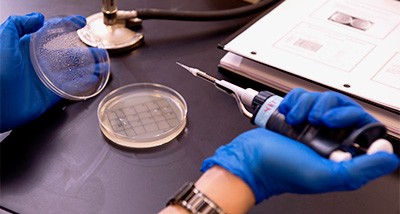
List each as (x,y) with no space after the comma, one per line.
(65,64)
(361,24)
(142,115)
(341,18)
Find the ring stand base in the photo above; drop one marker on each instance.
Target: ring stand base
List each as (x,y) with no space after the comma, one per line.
(115,38)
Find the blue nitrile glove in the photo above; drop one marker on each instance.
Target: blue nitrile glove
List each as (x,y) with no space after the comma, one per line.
(272,164)
(23,97)
(331,109)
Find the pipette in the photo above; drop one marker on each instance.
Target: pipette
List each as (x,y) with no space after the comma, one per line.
(334,144)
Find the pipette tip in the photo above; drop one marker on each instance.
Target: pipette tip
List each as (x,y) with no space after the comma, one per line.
(196,72)
(191,70)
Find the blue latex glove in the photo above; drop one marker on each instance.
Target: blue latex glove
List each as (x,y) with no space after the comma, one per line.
(23,97)
(272,164)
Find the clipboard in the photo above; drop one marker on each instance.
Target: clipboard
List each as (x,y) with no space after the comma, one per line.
(317,48)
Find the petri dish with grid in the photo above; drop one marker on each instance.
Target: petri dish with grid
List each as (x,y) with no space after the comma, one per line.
(142,115)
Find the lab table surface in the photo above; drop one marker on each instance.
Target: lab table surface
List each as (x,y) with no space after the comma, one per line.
(61,162)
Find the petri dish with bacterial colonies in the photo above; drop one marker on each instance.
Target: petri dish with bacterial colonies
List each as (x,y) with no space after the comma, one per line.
(65,64)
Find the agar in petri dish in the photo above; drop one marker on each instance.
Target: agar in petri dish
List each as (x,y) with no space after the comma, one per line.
(142,115)
(66,65)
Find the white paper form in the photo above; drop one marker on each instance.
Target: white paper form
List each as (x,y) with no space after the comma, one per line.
(350,45)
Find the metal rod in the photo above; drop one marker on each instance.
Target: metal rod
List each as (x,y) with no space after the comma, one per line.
(109,12)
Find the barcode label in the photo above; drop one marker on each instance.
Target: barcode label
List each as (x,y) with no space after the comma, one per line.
(308,45)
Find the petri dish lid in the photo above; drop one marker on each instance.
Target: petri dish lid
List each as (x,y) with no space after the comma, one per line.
(142,115)
(64,63)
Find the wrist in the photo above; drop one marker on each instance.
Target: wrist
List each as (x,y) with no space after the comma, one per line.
(224,189)
(227,190)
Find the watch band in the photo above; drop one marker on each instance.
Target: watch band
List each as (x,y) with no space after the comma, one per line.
(190,198)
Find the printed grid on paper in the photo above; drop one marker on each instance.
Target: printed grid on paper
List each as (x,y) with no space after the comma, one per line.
(143,118)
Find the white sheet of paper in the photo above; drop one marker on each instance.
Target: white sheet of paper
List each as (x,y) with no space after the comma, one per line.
(350,45)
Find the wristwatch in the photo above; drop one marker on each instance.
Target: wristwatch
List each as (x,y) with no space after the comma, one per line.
(190,198)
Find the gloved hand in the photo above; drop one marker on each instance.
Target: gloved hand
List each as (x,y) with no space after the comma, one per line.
(272,164)
(23,97)
(331,109)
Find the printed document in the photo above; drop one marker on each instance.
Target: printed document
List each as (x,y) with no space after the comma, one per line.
(352,46)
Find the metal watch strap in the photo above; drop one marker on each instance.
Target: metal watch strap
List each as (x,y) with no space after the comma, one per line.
(194,201)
